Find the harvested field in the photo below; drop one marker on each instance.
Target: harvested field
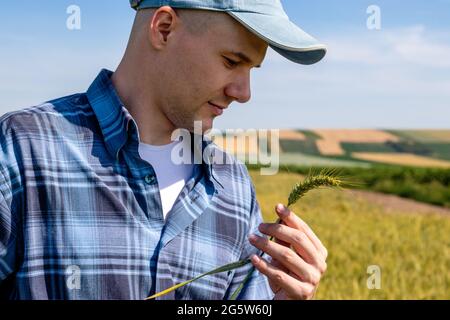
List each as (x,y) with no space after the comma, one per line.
(330,144)
(291,135)
(329,148)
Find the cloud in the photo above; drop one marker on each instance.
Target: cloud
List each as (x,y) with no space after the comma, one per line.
(412,44)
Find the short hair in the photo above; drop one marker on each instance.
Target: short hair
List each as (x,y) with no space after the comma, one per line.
(195,20)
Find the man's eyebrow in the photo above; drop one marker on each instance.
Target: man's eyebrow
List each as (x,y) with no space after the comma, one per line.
(244,57)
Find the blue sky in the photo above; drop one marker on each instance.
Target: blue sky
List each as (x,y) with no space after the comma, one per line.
(395,77)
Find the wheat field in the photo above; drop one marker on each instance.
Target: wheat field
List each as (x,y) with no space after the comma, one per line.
(411,249)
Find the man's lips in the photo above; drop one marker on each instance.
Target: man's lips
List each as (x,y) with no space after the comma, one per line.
(217,109)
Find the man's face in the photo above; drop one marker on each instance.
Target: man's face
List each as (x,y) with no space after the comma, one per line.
(207,69)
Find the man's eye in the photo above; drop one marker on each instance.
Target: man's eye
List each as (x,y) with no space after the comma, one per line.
(230,62)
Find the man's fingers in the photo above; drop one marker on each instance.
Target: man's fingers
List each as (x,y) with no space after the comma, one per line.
(275,288)
(294,221)
(299,241)
(281,242)
(279,279)
(290,259)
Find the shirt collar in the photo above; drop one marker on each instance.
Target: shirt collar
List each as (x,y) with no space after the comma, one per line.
(117,124)
(112,116)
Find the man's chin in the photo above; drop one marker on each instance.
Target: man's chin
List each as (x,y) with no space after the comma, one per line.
(200,126)
(205,125)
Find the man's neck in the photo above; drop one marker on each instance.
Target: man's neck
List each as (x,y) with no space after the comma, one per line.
(154,127)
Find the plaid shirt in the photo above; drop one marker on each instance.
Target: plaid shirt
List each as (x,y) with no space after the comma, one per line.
(81,216)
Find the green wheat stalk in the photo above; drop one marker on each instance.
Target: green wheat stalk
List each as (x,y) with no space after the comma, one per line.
(325,178)
(224,268)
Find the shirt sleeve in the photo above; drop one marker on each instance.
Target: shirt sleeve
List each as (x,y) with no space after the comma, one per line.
(257,287)
(7,231)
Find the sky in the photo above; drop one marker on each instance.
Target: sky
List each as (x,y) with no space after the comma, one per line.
(396,76)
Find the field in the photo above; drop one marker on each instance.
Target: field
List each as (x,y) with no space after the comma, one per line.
(405,159)
(412,249)
(312,160)
(292,135)
(361,136)
(422,148)
(331,142)
(424,136)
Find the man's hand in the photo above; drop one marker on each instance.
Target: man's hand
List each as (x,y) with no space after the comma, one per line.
(293,274)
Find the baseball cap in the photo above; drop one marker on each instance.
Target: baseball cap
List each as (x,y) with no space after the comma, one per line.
(265,18)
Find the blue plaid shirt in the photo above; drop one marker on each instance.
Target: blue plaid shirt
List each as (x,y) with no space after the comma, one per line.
(81,216)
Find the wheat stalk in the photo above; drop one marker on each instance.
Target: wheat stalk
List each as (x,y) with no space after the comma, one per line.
(224,268)
(324,179)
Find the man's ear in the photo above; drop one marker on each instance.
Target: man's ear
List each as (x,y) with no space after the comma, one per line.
(164,21)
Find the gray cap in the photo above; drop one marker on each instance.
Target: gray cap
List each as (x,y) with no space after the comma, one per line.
(265,18)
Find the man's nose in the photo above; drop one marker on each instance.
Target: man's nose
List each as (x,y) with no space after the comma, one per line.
(239,89)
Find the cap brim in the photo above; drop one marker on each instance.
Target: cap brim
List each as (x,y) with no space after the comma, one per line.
(283,36)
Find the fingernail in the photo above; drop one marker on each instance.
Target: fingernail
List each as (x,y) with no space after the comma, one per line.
(281,208)
(252,238)
(255,258)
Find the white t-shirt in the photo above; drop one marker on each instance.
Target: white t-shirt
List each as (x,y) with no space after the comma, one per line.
(171,177)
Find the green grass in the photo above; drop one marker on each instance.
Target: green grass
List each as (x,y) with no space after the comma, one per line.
(366,147)
(412,250)
(440,150)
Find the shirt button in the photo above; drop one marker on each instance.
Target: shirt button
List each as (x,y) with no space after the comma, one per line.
(149,179)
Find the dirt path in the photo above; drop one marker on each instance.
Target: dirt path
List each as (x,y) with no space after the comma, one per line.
(395,203)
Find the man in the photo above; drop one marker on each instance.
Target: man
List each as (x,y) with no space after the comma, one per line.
(91,205)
